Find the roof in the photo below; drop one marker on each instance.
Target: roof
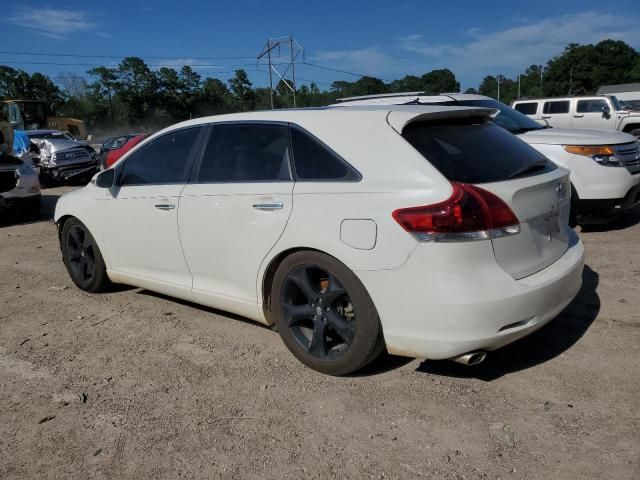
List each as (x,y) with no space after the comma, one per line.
(623,87)
(408,97)
(35,133)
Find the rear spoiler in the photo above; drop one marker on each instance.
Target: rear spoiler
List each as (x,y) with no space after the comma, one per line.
(399,119)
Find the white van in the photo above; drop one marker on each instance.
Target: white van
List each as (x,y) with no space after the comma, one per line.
(604,112)
(605,166)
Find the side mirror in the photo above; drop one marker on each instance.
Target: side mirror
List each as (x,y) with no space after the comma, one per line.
(606,111)
(106,178)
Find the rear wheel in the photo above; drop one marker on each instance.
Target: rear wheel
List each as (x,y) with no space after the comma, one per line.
(635,132)
(82,258)
(324,314)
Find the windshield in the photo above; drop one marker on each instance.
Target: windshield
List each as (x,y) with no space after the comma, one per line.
(508,118)
(616,103)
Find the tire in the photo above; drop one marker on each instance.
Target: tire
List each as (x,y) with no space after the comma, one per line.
(324,314)
(635,132)
(82,258)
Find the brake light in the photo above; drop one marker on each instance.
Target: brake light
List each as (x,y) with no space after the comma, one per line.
(471,213)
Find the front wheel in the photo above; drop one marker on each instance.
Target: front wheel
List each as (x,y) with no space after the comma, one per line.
(324,314)
(82,258)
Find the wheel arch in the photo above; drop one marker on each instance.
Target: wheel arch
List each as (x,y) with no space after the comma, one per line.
(630,127)
(270,271)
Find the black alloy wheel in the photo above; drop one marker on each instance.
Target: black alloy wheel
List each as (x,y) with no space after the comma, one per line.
(82,257)
(318,312)
(324,314)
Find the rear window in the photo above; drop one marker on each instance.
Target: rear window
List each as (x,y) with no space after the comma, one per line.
(552,108)
(527,108)
(475,150)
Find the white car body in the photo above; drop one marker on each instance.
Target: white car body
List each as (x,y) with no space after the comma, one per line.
(203,242)
(602,191)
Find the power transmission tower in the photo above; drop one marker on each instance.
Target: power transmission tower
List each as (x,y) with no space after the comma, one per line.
(286,51)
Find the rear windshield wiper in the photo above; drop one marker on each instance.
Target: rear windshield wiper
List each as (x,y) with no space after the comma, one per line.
(530,167)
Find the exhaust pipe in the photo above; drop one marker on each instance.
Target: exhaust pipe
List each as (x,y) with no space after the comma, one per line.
(471,358)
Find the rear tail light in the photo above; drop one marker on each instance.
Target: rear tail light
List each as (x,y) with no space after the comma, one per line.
(471,213)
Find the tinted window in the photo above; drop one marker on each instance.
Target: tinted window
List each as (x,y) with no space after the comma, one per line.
(474,150)
(556,107)
(507,117)
(163,160)
(591,106)
(246,153)
(315,161)
(527,108)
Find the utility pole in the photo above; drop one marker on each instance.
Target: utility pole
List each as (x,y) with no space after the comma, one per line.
(540,79)
(498,79)
(519,86)
(276,45)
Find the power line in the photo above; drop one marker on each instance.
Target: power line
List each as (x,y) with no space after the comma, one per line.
(197,65)
(79,55)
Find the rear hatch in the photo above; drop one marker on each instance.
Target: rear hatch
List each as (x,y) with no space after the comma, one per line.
(472,150)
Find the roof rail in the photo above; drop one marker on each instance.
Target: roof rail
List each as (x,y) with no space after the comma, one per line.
(379,95)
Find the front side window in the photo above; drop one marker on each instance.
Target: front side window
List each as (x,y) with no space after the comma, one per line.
(529,108)
(164,160)
(314,161)
(252,152)
(591,106)
(552,108)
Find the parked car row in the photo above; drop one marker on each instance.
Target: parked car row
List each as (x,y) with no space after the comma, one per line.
(428,230)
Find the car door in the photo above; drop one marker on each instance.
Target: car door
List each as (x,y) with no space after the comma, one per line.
(141,215)
(234,211)
(557,113)
(593,113)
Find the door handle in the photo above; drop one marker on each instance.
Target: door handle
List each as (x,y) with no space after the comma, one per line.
(268,206)
(578,116)
(165,206)
(546,116)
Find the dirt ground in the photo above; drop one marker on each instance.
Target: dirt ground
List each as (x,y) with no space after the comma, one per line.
(135,385)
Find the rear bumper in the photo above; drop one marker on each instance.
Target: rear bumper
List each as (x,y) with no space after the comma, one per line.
(606,209)
(448,301)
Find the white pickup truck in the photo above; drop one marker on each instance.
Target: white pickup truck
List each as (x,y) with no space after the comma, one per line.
(603,112)
(605,166)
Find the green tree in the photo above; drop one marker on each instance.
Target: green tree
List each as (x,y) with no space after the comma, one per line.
(440,81)
(242,94)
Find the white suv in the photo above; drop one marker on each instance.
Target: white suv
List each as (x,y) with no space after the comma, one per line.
(605,166)
(428,229)
(602,112)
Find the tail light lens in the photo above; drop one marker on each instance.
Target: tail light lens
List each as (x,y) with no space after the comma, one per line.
(471,213)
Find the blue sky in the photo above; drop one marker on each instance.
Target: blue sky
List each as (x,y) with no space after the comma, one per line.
(385,39)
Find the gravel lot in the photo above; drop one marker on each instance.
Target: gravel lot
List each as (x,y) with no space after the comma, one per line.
(135,385)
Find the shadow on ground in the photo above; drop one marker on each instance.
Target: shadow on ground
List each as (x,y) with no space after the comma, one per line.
(547,343)
(629,219)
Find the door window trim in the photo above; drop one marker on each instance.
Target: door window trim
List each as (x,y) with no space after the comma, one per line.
(197,145)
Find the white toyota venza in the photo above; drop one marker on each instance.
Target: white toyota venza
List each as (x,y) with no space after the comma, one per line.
(426,230)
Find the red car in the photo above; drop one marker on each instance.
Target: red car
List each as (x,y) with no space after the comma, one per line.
(112,156)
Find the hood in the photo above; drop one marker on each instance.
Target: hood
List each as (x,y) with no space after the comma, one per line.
(55,145)
(575,136)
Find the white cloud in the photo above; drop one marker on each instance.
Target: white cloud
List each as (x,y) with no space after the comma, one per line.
(368,61)
(51,22)
(515,48)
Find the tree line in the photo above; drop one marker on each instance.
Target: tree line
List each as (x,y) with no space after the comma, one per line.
(133,95)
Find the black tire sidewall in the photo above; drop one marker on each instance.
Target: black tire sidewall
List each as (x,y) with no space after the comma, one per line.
(99,281)
(368,333)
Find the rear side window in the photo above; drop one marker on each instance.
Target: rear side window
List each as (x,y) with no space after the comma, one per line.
(527,108)
(314,161)
(163,160)
(552,108)
(591,106)
(251,152)
(474,150)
